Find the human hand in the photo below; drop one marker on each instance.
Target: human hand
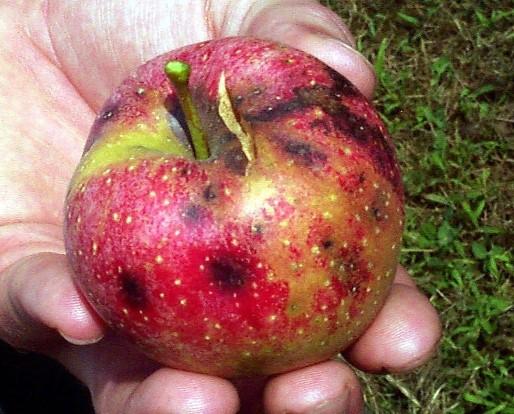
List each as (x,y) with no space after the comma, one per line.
(58,63)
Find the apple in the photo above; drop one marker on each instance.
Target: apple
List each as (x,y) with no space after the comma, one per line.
(237,211)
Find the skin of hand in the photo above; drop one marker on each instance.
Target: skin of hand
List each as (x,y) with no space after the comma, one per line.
(59,60)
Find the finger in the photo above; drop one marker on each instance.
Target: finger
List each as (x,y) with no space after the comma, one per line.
(123,382)
(329,388)
(37,297)
(120,36)
(403,278)
(315,29)
(170,391)
(404,335)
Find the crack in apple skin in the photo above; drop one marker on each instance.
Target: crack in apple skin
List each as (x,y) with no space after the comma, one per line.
(229,268)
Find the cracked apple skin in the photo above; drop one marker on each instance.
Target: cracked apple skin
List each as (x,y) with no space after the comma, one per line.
(230,266)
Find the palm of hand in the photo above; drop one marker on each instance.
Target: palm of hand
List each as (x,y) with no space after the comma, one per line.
(58,63)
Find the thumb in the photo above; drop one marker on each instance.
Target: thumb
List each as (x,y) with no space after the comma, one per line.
(38,298)
(313,28)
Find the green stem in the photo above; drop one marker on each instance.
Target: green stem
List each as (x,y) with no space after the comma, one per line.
(178,73)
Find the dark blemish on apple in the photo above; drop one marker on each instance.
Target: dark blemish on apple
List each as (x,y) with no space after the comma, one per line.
(184,171)
(223,139)
(305,153)
(238,100)
(342,86)
(322,124)
(209,193)
(236,161)
(227,273)
(357,127)
(193,213)
(273,112)
(109,112)
(354,290)
(257,229)
(371,139)
(327,244)
(317,95)
(133,290)
(377,213)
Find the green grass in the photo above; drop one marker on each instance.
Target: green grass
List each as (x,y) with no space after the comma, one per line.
(446,92)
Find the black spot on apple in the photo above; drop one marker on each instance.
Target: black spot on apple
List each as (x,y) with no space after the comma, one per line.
(327,244)
(257,229)
(194,214)
(322,124)
(357,127)
(354,290)
(273,112)
(257,91)
(133,290)
(235,160)
(227,273)
(377,214)
(238,100)
(109,112)
(342,86)
(305,153)
(140,91)
(209,193)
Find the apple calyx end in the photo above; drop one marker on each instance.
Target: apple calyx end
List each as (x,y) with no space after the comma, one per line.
(178,72)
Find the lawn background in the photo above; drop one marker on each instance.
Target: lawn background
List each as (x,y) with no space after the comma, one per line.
(446,91)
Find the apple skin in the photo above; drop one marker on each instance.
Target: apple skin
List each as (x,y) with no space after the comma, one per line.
(227,266)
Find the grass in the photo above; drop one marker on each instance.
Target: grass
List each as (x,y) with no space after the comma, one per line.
(446,88)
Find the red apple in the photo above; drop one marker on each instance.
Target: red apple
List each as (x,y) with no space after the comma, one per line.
(237,211)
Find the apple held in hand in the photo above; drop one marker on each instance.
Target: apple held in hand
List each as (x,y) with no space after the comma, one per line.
(237,211)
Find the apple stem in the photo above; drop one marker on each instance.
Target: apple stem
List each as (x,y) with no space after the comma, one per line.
(178,73)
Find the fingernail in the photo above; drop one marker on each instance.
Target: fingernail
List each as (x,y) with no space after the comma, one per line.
(350,49)
(338,405)
(76,341)
(341,57)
